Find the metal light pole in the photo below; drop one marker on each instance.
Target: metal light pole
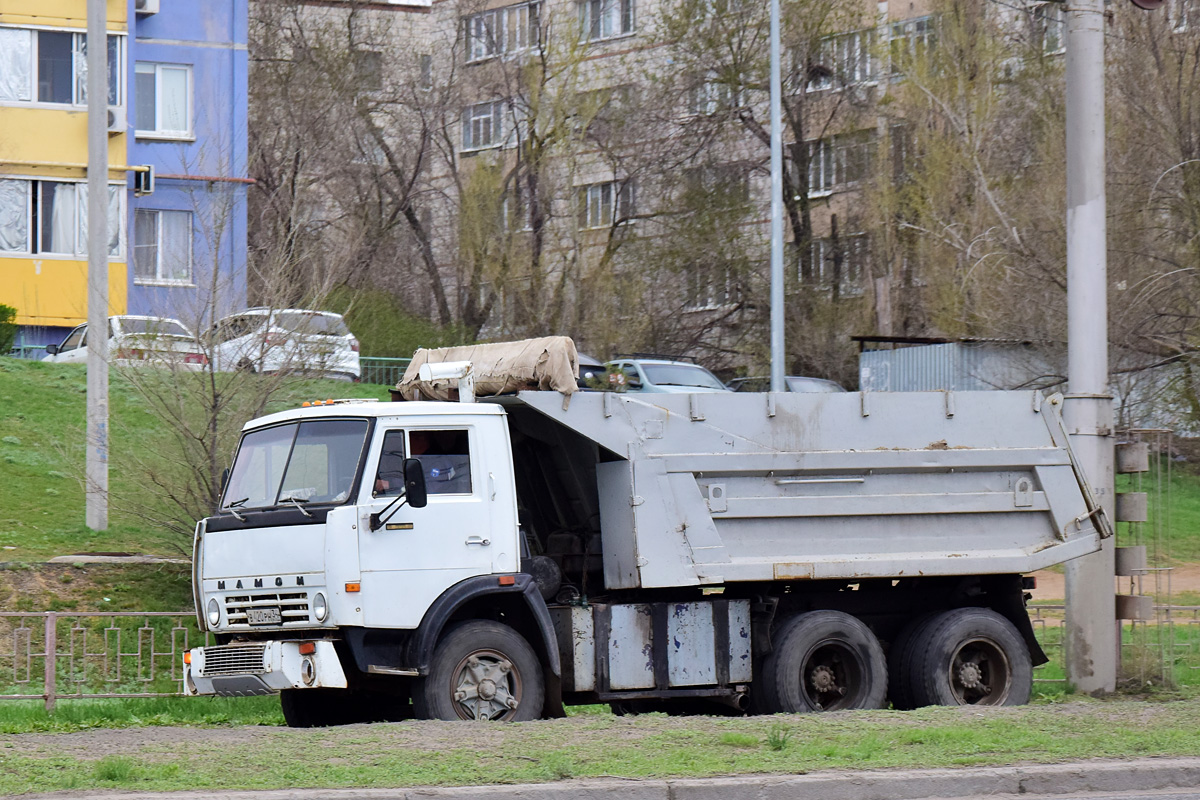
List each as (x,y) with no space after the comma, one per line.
(1091,642)
(778,353)
(97,246)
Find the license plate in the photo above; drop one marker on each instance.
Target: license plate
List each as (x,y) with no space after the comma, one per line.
(264,616)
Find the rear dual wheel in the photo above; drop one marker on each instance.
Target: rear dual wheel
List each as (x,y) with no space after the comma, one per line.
(823,661)
(967,656)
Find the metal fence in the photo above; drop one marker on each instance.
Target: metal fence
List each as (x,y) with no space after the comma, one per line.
(383,371)
(140,654)
(52,655)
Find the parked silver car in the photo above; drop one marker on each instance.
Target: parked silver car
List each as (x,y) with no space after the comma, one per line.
(316,343)
(662,375)
(135,341)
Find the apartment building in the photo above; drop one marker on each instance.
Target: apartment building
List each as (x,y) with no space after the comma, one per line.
(176,109)
(600,167)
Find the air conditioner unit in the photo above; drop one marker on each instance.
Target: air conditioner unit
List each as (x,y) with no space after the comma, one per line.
(116,120)
(145,6)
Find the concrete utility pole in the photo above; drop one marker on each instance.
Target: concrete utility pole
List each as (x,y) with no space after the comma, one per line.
(778,351)
(1091,644)
(97,246)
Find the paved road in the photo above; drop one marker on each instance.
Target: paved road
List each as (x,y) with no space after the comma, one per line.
(1142,779)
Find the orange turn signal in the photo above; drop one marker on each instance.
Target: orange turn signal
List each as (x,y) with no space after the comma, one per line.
(187,657)
(308,648)
(507,580)
(353,587)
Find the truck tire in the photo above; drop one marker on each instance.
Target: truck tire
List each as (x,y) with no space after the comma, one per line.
(481,670)
(824,661)
(969,656)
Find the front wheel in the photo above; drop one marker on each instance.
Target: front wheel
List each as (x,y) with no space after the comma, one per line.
(969,656)
(824,661)
(481,671)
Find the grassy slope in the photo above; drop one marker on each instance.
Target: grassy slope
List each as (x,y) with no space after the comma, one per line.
(42,414)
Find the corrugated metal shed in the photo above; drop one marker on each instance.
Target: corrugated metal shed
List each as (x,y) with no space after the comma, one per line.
(961,367)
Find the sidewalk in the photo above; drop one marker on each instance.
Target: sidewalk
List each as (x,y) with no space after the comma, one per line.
(1054,779)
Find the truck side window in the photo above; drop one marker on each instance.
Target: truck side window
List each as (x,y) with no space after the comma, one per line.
(446,459)
(389,480)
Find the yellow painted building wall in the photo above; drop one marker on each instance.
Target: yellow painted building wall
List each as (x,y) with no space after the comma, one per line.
(44,142)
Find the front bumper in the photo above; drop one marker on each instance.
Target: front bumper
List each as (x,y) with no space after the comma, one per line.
(255,668)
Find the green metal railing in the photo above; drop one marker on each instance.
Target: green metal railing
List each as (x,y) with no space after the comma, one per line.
(383,371)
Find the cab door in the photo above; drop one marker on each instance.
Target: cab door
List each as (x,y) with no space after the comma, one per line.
(417,553)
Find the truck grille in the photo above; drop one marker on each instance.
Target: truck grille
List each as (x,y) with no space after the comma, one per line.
(293,607)
(234,659)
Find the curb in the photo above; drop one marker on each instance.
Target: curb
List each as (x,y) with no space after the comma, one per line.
(1053,779)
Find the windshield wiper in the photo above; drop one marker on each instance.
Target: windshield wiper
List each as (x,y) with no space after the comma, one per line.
(296,501)
(233,508)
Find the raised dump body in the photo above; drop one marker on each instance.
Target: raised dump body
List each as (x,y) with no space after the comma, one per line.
(709,489)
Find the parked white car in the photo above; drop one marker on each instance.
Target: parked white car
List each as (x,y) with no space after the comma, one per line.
(134,341)
(316,343)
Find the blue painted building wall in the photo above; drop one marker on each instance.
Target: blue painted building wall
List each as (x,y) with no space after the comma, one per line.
(204,174)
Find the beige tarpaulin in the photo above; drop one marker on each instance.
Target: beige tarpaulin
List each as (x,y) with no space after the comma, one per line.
(546,363)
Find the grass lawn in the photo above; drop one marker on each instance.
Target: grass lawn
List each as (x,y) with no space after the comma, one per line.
(196,755)
(41,460)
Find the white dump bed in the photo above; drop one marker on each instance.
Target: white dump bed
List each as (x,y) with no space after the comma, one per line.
(715,488)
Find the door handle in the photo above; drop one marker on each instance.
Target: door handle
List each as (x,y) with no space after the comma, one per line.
(479,540)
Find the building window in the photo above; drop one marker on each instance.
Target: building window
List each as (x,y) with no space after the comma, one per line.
(425,67)
(163,95)
(489,124)
(709,286)
(604,19)
(162,246)
(368,70)
(838,161)
(910,41)
(503,31)
(1049,27)
(50,217)
(602,205)
(844,262)
(711,95)
(39,66)
(842,60)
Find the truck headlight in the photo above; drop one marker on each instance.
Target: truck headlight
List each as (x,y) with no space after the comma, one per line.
(320,608)
(214,613)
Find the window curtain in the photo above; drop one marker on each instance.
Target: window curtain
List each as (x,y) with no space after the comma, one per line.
(114,220)
(59,217)
(14,216)
(16,64)
(176,245)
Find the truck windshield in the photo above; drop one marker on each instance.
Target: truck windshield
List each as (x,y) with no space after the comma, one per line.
(681,375)
(302,462)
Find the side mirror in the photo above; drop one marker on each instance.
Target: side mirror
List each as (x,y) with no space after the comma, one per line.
(414,483)
(51,349)
(224,480)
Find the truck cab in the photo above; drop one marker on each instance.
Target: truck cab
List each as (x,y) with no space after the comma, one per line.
(315,535)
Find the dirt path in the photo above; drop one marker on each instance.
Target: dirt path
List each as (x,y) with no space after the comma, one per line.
(1184,578)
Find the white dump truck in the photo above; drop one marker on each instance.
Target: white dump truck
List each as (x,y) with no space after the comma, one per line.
(498,559)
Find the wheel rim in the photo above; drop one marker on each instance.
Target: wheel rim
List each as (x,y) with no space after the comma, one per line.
(485,686)
(832,676)
(980,674)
